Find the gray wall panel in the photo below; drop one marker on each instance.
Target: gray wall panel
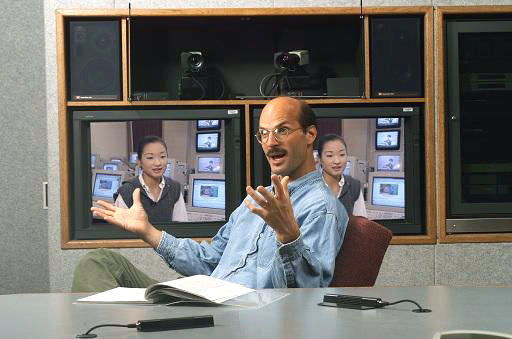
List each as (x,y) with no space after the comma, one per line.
(474,264)
(23,168)
(407,266)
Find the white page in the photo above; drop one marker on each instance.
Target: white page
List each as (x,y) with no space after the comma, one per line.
(213,289)
(118,295)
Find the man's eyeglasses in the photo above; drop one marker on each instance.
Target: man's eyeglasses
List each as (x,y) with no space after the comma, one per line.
(279,133)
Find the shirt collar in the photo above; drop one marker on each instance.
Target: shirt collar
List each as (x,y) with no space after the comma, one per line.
(146,188)
(340,183)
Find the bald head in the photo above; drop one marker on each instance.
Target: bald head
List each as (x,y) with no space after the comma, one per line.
(298,108)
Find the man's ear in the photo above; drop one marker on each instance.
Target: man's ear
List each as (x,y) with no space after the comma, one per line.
(311,133)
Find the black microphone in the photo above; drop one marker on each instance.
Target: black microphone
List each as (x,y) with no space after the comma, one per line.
(174,323)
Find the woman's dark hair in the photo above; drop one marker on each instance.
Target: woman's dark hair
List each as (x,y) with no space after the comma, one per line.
(329,137)
(149,139)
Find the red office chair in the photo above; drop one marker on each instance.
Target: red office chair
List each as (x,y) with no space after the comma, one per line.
(359,259)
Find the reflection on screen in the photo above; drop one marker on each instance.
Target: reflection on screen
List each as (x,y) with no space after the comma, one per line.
(208,164)
(209,193)
(388,163)
(388,191)
(105,185)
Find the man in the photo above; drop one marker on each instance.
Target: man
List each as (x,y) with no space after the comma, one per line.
(285,235)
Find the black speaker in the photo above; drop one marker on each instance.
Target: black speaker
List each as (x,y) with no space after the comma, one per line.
(94,60)
(396,57)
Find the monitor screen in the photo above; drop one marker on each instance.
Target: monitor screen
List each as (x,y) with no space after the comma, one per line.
(388,162)
(133,157)
(116,160)
(105,185)
(93,160)
(388,191)
(168,170)
(208,142)
(209,165)
(110,167)
(388,122)
(387,140)
(208,193)
(207,124)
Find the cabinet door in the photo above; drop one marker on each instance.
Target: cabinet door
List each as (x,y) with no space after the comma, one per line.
(479,59)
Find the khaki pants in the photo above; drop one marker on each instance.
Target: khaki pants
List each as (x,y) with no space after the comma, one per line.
(101,269)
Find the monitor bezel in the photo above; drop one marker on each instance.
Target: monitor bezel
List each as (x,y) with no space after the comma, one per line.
(198,128)
(221,169)
(393,175)
(377,126)
(190,194)
(377,169)
(110,164)
(390,148)
(208,150)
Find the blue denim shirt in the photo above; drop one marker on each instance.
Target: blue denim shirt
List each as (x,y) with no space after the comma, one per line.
(245,250)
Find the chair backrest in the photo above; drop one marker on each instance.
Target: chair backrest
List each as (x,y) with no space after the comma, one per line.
(359,259)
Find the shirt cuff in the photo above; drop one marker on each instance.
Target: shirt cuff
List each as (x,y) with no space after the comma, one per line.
(291,250)
(167,246)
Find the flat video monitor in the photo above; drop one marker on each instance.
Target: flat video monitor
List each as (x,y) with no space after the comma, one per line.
(106,183)
(388,162)
(109,166)
(208,142)
(206,164)
(116,160)
(387,192)
(207,193)
(207,124)
(388,122)
(133,158)
(387,140)
(170,168)
(349,166)
(94,159)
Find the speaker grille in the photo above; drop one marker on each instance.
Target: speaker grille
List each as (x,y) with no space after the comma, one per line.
(396,57)
(94,60)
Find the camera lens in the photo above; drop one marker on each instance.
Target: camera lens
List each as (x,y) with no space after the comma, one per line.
(288,61)
(196,61)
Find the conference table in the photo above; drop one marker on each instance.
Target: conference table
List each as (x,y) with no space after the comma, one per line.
(298,315)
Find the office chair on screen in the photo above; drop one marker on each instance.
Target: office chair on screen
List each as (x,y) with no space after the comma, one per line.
(359,259)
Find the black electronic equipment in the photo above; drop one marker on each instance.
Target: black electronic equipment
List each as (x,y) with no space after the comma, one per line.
(396,57)
(94,60)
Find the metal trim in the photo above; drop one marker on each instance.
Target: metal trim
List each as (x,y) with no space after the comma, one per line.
(479,225)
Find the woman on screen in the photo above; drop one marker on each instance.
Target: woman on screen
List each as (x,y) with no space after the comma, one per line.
(333,159)
(160,196)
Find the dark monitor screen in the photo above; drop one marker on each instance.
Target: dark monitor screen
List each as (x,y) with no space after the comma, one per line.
(209,193)
(387,162)
(208,142)
(387,140)
(388,122)
(209,165)
(110,167)
(105,185)
(207,124)
(388,191)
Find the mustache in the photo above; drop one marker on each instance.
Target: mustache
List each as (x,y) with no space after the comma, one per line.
(275,151)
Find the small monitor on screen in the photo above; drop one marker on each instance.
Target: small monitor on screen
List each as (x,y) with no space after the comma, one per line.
(208,142)
(133,158)
(207,124)
(387,140)
(349,166)
(387,192)
(205,164)
(207,193)
(110,166)
(94,158)
(116,160)
(170,168)
(105,184)
(388,162)
(388,122)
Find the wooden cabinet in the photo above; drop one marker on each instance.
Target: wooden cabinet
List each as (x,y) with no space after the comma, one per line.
(239,46)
